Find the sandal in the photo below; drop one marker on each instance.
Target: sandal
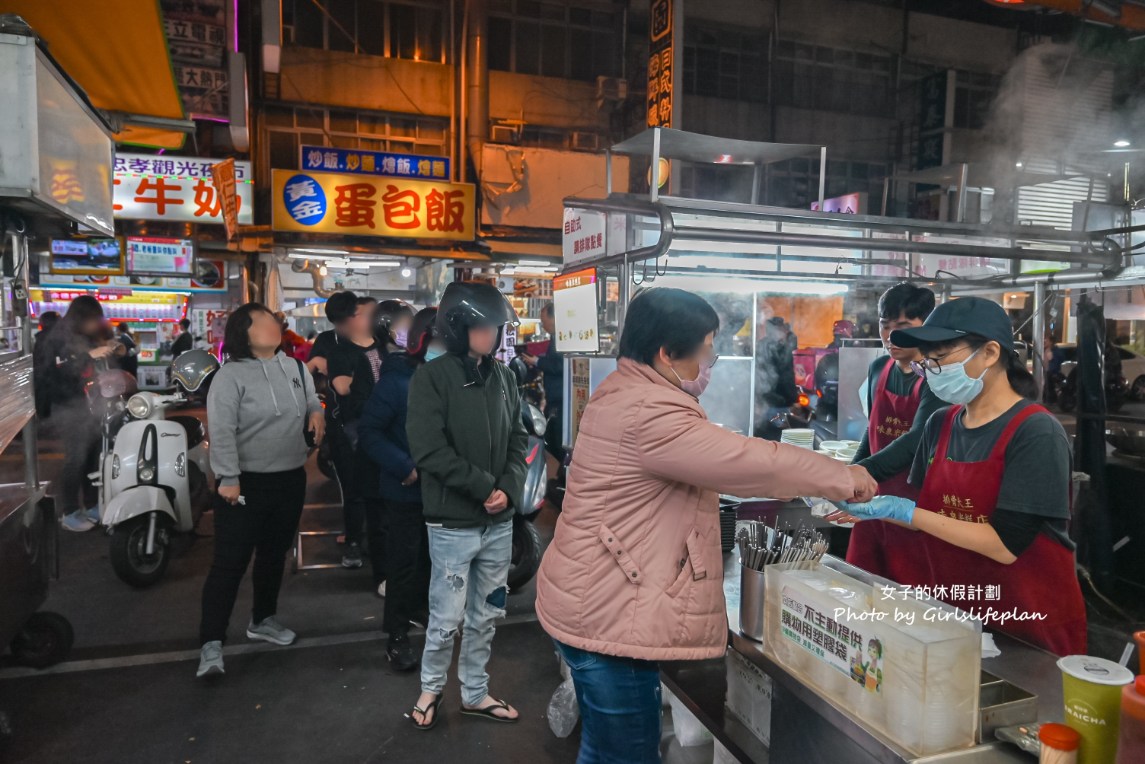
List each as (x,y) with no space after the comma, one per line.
(432,707)
(489,712)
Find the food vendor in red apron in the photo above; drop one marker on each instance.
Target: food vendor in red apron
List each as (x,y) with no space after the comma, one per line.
(994,470)
(900,404)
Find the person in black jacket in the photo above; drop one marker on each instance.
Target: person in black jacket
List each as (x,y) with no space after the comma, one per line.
(382,437)
(70,352)
(468,441)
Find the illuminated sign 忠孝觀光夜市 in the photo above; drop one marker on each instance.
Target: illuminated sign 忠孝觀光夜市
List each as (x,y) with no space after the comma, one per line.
(365,205)
(177,189)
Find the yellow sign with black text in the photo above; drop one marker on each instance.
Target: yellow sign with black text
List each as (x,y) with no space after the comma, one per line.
(362,205)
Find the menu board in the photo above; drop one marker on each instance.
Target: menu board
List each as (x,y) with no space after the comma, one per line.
(575,308)
(160,257)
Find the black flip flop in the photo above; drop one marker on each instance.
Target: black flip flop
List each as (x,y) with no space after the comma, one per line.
(488,713)
(434,707)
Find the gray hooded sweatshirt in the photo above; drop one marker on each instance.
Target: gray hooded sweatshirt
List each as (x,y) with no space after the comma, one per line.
(256,411)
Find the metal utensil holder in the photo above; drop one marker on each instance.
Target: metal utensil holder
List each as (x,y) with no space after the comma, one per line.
(751,604)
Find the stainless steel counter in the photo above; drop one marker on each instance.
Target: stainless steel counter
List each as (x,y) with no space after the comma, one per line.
(808,726)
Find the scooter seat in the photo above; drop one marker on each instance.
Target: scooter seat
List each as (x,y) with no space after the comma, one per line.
(195,429)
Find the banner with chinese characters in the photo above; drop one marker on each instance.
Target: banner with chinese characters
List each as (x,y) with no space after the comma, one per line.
(226,185)
(196,38)
(575,312)
(178,189)
(363,205)
(662,79)
(327,159)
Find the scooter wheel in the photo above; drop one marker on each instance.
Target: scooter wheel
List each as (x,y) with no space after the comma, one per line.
(45,640)
(526,553)
(129,557)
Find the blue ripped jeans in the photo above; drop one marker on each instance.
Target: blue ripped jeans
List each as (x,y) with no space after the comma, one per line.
(468,583)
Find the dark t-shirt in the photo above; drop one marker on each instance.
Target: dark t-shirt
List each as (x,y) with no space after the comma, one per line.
(1035,493)
(324,345)
(182,344)
(344,362)
(898,456)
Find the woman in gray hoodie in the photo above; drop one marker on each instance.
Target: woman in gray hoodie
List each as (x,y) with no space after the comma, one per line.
(259,409)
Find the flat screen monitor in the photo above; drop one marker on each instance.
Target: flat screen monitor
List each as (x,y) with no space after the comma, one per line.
(160,257)
(87,257)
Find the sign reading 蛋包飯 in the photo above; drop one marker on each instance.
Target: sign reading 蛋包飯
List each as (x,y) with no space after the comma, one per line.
(416,166)
(362,205)
(179,189)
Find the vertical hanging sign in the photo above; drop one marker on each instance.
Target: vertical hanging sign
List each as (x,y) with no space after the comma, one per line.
(662,63)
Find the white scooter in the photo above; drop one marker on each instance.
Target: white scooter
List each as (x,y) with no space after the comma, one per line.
(154,483)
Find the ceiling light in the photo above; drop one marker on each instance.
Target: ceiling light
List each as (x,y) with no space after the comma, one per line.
(535,262)
(1121,143)
(1018,164)
(323,251)
(326,258)
(322,270)
(406,272)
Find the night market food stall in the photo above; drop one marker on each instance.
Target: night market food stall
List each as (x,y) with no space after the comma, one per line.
(55,180)
(822,667)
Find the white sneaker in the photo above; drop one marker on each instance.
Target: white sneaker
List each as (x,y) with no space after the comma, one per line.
(382,589)
(76,521)
(270,630)
(211,660)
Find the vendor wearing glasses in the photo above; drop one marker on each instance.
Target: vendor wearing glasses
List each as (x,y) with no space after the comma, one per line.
(901,405)
(994,472)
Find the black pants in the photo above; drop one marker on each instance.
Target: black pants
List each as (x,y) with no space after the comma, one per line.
(264,526)
(79,428)
(353,502)
(407,560)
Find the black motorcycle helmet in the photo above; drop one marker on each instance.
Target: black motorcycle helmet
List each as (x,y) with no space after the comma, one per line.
(386,314)
(421,332)
(471,303)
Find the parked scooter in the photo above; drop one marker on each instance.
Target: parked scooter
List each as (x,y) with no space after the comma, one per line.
(154,471)
(526,541)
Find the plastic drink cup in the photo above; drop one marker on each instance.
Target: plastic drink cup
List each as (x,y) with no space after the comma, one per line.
(1092,692)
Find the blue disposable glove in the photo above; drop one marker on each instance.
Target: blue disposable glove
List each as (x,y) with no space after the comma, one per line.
(883,508)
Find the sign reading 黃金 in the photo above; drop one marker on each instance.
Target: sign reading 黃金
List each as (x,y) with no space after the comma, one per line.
(362,205)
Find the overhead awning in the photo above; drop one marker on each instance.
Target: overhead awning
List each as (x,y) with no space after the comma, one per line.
(116,50)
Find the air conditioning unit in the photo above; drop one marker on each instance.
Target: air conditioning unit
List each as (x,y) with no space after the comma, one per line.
(585,141)
(611,89)
(504,134)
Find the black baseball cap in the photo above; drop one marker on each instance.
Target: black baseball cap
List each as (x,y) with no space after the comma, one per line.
(955,319)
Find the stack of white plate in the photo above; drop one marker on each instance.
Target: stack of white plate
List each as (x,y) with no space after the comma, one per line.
(804,438)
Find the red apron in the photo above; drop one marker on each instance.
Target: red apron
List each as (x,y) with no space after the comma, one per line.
(891,417)
(1042,580)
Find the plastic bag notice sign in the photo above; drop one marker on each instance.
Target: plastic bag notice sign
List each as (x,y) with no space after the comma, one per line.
(839,645)
(575,312)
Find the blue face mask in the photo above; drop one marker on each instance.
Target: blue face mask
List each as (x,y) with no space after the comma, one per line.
(953,385)
(433,352)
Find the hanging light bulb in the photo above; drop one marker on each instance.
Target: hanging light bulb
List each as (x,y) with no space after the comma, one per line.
(322,271)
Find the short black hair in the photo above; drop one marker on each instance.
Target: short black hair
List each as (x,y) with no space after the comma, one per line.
(365,299)
(236,336)
(663,317)
(906,299)
(185,323)
(340,306)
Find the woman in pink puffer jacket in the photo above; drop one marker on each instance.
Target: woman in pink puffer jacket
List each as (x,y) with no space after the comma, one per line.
(634,574)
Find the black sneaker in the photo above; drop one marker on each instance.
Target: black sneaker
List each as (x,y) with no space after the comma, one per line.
(352,557)
(400,654)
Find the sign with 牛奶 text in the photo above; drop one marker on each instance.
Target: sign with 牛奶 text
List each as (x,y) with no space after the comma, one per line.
(363,205)
(178,189)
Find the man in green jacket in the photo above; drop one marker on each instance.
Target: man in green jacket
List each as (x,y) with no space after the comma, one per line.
(469,442)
